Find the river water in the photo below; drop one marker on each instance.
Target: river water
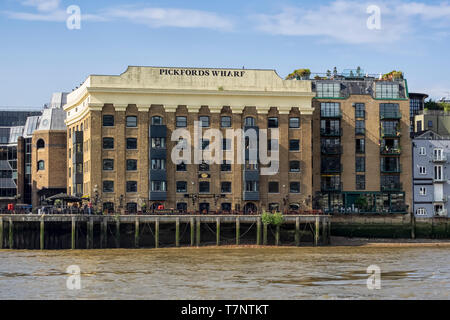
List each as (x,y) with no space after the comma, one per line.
(228,273)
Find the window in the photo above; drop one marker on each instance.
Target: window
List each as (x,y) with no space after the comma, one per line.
(158,143)
(438,173)
(387,91)
(182,206)
(328,90)
(225,166)
(360,146)
(360,110)
(181,122)
(181,186)
(225,122)
(250,122)
(158,185)
(389,110)
(294,187)
(181,166)
(250,166)
(422,170)
(131,165)
(108,120)
(108,186)
(158,164)
(131,186)
(131,143)
(330,109)
(274,207)
(422,191)
(157,120)
(294,166)
(422,151)
(203,166)
(225,187)
(40,144)
(203,187)
(204,121)
(108,143)
(251,186)
(360,164)
(226,206)
(294,122)
(132,207)
(419,126)
(131,121)
(360,182)
(41,165)
(273,187)
(108,164)
(79,168)
(272,123)
(421,211)
(108,206)
(360,127)
(294,145)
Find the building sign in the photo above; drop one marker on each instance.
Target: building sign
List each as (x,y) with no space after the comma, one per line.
(202,72)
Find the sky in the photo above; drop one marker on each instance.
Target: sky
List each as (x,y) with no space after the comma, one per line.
(41,52)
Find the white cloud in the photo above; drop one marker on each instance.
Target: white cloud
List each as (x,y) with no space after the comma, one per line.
(43,5)
(345,21)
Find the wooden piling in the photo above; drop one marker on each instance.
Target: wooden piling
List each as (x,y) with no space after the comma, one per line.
(177,232)
(277,235)
(413,226)
(238,230)
(136,232)
(1,232)
(42,233)
(265,234)
(258,231)
(316,233)
(11,234)
(156,233)
(217,231)
(192,232)
(90,234)
(198,232)
(297,231)
(73,245)
(117,232)
(103,233)
(324,231)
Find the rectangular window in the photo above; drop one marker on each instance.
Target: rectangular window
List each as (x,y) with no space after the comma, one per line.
(272,123)
(360,110)
(225,166)
(108,143)
(294,187)
(387,91)
(158,164)
(330,109)
(360,127)
(421,211)
(438,173)
(251,186)
(131,122)
(294,166)
(131,143)
(157,120)
(294,145)
(181,122)
(422,191)
(204,121)
(328,90)
(225,187)
(158,143)
(108,120)
(131,186)
(131,165)
(390,110)
(181,166)
(422,170)
(294,123)
(360,165)
(360,146)
(108,186)
(360,182)
(273,187)
(158,185)
(225,122)
(203,187)
(181,186)
(422,151)
(108,164)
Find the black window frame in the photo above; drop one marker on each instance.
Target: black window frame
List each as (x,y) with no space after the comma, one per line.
(291,167)
(179,184)
(229,122)
(202,185)
(178,121)
(105,140)
(291,124)
(129,161)
(105,187)
(227,185)
(272,122)
(294,145)
(128,141)
(106,123)
(105,161)
(294,183)
(131,186)
(271,186)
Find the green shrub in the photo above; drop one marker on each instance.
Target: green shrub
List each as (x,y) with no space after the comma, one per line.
(275,219)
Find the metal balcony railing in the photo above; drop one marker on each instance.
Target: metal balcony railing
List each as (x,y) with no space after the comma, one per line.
(331,149)
(395,186)
(440,158)
(391,169)
(331,132)
(331,168)
(390,151)
(391,133)
(390,115)
(331,114)
(331,187)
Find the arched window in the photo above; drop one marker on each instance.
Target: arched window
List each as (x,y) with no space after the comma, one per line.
(41,165)
(40,144)
(250,121)
(157,120)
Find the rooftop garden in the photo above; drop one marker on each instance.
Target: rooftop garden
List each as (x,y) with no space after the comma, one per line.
(434,105)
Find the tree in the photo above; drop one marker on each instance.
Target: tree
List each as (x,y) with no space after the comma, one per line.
(361,202)
(328,73)
(334,71)
(433,105)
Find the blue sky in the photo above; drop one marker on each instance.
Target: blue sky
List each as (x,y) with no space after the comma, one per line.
(40,55)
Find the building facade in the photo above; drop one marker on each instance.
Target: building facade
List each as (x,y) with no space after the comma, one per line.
(120,131)
(362,147)
(431,170)
(417,104)
(437,121)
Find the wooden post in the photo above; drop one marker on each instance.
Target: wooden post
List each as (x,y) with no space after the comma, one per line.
(11,234)
(198,231)
(177,232)
(316,233)
(90,234)
(73,245)
(258,231)
(1,232)
(297,231)
(413,226)
(277,235)
(42,234)
(103,233)
(324,231)
(136,232)
(192,232)
(238,231)
(218,231)
(118,232)
(157,233)
(265,234)
(329,229)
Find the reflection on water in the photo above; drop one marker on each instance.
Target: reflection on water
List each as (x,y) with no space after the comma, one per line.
(228,273)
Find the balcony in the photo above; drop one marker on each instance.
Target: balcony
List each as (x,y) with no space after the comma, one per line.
(441,213)
(331,187)
(439,159)
(441,179)
(331,114)
(390,151)
(390,134)
(331,168)
(391,169)
(331,132)
(394,115)
(336,149)
(393,186)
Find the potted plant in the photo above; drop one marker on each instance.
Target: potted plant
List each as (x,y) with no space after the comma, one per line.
(299,74)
